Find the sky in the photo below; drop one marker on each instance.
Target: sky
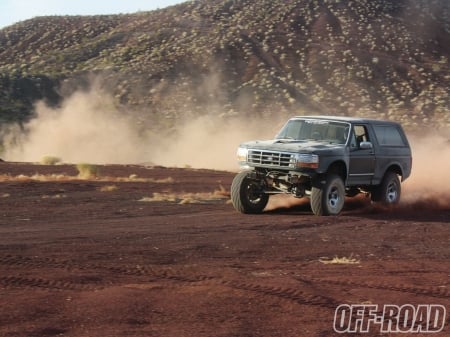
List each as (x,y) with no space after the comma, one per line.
(12,11)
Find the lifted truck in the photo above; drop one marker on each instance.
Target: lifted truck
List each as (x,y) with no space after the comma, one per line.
(326,159)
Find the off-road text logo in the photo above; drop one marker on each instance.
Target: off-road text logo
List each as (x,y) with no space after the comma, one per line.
(389,318)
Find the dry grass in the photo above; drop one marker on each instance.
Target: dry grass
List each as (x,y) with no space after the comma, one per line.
(35,177)
(168,180)
(108,188)
(55,196)
(64,177)
(340,260)
(189,198)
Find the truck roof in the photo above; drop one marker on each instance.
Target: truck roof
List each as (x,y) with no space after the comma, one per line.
(349,119)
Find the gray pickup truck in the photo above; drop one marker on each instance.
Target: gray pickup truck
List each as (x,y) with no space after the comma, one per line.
(326,159)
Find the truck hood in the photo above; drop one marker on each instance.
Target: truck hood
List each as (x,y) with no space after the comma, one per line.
(295,146)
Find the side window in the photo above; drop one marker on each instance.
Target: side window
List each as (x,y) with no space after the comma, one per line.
(359,135)
(388,135)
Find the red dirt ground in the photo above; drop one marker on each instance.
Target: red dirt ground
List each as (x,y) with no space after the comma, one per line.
(98,257)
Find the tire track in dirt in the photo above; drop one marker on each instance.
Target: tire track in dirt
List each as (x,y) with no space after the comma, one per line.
(438,292)
(33,262)
(185,276)
(162,273)
(180,275)
(30,263)
(9,282)
(291,294)
(128,270)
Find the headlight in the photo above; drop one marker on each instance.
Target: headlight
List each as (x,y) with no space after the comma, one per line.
(242,154)
(307,160)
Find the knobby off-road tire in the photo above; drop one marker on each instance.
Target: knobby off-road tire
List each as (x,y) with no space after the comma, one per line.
(247,195)
(389,191)
(329,198)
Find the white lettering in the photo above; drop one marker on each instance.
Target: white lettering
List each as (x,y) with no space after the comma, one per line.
(408,318)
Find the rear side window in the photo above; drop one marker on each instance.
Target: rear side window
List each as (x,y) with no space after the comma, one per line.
(388,135)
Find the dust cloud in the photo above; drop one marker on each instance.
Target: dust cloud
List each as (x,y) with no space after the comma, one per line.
(284,201)
(210,142)
(88,128)
(429,186)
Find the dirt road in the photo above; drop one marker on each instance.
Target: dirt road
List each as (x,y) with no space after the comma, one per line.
(143,251)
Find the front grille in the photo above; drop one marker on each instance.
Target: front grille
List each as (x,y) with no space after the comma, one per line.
(270,158)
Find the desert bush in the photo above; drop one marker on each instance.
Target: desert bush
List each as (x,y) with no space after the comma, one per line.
(86,171)
(50,160)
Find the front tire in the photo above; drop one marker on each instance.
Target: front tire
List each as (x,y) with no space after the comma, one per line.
(247,195)
(329,198)
(389,191)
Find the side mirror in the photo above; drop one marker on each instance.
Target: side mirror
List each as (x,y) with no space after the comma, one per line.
(365,146)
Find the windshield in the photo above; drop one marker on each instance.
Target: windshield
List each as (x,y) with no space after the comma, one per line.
(315,129)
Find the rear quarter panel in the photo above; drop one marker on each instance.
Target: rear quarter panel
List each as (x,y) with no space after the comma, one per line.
(387,156)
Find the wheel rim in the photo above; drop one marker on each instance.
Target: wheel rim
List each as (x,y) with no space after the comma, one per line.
(392,193)
(253,193)
(334,197)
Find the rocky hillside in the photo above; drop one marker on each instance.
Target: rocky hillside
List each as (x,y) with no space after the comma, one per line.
(378,58)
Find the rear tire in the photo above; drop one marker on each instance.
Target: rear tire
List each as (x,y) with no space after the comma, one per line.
(247,195)
(389,191)
(329,198)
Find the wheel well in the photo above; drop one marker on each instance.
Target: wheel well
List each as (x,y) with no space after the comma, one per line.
(396,169)
(339,168)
